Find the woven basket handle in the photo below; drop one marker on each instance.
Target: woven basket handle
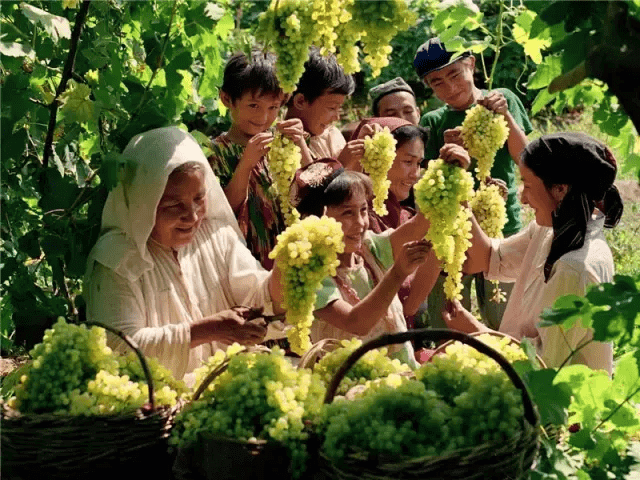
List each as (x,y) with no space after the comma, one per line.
(213,374)
(134,346)
(434,334)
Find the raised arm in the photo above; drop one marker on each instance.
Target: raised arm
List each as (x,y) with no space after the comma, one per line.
(362,317)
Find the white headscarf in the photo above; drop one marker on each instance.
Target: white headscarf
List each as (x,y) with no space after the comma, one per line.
(130,210)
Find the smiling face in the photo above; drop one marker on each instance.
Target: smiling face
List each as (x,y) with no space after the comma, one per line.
(542,200)
(316,116)
(353,215)
(453,84)
(405,171)
(252,113)
(181,209)
(400,105)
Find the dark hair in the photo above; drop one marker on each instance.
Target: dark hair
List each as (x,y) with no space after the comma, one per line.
(256,75)
(344,186)
(322,75)
(407,133)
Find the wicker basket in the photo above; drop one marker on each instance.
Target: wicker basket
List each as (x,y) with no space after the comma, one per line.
(225,458)
(49,446)
(507,460)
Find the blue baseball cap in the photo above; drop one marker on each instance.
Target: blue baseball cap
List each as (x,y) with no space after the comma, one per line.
(432,55)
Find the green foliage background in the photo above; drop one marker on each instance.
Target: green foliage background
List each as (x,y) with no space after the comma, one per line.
(154,63)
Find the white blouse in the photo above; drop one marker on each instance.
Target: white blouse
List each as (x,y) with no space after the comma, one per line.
(522,257)
(213,273)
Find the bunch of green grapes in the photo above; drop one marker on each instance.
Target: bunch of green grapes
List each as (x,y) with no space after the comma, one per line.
(460,400)
(347,45)
(77,105)
(375,24)
(372,365)
(328,16)
(214,361)
(259,396)
(284,159)
(306,253)
(386,422)
(438,195)
(68,357)
(489,208)
(484,132)
(74,372)
(379,154)
(287,27)
(485,405)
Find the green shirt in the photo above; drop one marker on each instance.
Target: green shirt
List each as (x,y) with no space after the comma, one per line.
(504,167)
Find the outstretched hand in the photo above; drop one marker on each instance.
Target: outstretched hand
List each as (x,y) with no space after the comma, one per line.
(456,317)
(412,255)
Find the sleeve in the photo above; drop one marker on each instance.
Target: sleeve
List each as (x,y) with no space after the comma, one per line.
(435,142)
(327,293)
(223,160)
(507,255)
(557,343)
(380,246)
(248,281)
(517,110)
(118,303)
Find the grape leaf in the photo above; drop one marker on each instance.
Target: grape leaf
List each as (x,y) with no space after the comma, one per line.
(546,71)
(551,398)
(57,27)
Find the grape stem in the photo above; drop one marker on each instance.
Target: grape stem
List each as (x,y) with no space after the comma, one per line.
(66,75)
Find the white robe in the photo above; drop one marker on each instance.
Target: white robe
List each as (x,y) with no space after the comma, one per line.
(522,256)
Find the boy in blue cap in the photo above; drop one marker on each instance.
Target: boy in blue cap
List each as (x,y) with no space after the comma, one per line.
(451,80)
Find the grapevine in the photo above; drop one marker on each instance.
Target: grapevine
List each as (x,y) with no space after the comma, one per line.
(306,253)
(484,132)
(288,28)
(379,154)
(77,106)
(284,159)
(259,396)
(439,194)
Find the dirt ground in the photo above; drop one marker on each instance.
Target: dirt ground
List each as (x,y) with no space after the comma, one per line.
(629,191)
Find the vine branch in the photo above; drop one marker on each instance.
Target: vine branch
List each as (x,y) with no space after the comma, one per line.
(66,75)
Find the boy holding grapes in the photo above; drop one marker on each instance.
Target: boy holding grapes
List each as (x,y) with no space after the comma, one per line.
(251,92)
(319,96)
(452,82)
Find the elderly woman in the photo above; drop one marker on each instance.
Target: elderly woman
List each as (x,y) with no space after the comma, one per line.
(568,182)
(170,264)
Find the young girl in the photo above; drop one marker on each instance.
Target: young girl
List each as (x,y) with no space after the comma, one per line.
(253,96)
(361,300)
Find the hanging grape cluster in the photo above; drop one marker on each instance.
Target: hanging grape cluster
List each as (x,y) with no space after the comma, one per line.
(284,159)
(438,195)
(290,27)
(484,132)
(259,396)
(74,372)
(379,154)
(306,253)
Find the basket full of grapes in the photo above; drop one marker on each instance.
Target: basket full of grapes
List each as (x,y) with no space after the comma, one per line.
(80,409)
(248,419)
(464,415)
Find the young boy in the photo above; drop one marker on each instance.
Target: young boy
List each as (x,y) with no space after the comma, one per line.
(253,96)
(319,96)
(452,83)
(395,98)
